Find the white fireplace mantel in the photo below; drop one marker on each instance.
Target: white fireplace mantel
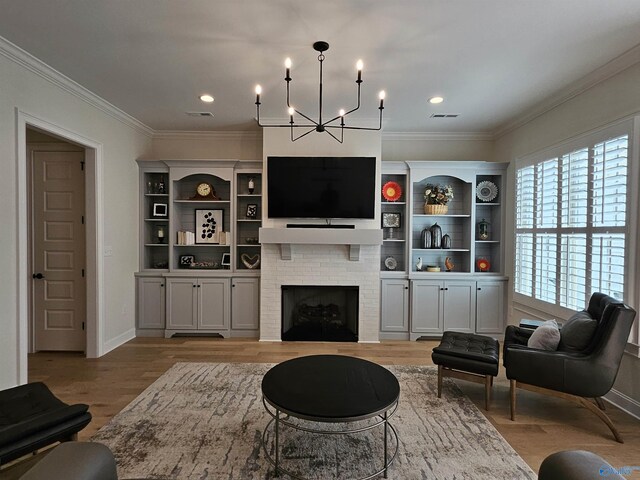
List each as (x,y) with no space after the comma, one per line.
(353,237)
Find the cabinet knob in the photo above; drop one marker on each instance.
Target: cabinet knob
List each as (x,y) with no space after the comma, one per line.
(406,288)
(233,284)
(441,289)
(162,284)
(194,285)
(198,286)
(479,288)
(447,288)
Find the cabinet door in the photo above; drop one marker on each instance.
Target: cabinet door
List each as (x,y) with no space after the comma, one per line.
(245,303)
(459,306)
(490,307)
(151,307)
(213,303)
(426,306)
(181,303)
(395,306)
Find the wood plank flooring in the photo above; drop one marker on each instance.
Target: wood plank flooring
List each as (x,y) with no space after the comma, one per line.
(544,425)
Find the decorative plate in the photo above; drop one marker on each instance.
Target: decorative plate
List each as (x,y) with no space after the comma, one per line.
(391,263)
(391,191)
(486,191)
(483,264)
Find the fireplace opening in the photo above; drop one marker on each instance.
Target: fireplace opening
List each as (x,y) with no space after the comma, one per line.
(320,313)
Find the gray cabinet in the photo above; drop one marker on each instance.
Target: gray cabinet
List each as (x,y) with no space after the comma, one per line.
(438,305)
(394,306)
(213,304)
(490,306)
(198,304)
(426,307)
(182,307)
(245,303)
(150,293)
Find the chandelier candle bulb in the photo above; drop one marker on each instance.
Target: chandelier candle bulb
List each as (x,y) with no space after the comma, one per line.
(359,66)
(382,95)
(291,111)
(258,92)
(287,66)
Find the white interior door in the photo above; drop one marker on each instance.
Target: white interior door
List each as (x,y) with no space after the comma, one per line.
(58,256)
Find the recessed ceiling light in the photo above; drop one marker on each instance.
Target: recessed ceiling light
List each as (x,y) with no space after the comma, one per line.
(206,98)
(436,100)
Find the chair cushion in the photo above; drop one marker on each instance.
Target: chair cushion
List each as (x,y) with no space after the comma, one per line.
(545,337)
(577,332)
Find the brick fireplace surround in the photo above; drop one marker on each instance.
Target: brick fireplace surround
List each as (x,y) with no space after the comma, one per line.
(320,265)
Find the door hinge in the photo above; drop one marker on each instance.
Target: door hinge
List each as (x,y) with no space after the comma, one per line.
(82,166)
(82,325)
(83,272)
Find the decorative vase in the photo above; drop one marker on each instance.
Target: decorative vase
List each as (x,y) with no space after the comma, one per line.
(435,209)
(436,236)
(425,238)
(446,241)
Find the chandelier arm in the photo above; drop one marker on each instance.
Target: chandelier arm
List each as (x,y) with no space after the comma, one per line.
(340,140)
(303,115)
(346,113)
(300,136)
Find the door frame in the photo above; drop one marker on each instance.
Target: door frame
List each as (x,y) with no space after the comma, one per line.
(94,216)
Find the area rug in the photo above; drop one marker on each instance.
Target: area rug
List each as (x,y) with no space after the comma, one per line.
(205,421)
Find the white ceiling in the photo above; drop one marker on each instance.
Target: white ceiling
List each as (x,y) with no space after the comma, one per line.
(492,60)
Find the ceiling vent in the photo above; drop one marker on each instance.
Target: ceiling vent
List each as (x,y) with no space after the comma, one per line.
(200,114)
(444,115)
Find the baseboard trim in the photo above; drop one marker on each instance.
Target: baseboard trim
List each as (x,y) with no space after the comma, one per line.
(119,340)
(624,403)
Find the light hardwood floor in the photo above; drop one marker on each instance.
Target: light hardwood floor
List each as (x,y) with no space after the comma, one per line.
(543,425)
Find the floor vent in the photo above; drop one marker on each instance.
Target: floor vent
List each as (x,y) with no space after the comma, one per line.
(445,115)
(200,114)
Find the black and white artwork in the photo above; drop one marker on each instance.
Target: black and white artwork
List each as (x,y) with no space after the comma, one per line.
(209,224)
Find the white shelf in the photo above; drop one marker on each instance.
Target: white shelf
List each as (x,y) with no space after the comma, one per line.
(487,241)
(200,245)
(488,204)
(393,240)
(353,237)
(202,202)
(447,216)
(248,245)
(156,219)
(435,250)
(156,194)
(249,219)
(156,244)
(254,195)
(393,203)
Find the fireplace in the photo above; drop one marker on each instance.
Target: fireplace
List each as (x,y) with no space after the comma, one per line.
(320,313)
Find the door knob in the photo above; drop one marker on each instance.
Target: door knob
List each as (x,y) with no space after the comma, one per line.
(37,275)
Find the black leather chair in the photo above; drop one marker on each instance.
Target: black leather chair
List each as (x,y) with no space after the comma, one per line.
(31,417)
(576,375)
(577,465)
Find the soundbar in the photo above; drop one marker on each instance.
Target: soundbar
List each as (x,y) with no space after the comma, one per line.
(317,225)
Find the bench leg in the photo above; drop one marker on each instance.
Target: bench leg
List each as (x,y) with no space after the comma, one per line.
(487,391)
(439,381)
(512,388)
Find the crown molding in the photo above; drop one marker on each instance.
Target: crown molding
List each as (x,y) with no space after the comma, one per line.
(599,75)
(437,136)
(34,65)
(217,135)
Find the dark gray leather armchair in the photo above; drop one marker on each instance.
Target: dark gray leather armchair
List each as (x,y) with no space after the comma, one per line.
(575,375)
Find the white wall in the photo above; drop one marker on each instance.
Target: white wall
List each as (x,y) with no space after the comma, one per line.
(23,89)
(617,97)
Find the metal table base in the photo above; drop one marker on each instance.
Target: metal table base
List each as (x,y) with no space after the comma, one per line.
(277,420)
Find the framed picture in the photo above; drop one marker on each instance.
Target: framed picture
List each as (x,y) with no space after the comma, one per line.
(390,220)
(186,261)
(252,210)
(226,260)
(160,210)
(209,224)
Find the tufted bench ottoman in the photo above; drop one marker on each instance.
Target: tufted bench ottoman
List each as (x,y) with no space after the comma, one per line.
(468,357)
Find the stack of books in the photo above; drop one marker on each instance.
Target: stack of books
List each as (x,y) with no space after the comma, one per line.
(186,238)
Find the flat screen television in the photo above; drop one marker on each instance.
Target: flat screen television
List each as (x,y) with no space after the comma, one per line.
(321,187)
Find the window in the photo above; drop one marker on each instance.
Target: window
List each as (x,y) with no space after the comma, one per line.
(571,222)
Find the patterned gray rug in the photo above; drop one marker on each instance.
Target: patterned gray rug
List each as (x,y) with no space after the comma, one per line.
(205,420)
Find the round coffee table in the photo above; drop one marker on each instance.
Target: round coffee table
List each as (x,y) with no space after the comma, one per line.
(330,389)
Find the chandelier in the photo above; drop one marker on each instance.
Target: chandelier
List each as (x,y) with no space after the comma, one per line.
(320,125)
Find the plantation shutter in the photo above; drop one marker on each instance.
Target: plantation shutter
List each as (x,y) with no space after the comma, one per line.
(525,186)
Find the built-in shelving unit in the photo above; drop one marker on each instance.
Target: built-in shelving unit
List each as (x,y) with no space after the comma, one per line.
(248,200)
(155,214)
(393,253)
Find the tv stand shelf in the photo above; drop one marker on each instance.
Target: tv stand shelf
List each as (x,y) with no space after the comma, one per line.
(285,237)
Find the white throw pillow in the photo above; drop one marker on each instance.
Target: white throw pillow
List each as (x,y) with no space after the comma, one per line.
(545,337)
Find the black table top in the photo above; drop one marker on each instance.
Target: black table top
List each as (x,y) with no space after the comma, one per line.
(330,388)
